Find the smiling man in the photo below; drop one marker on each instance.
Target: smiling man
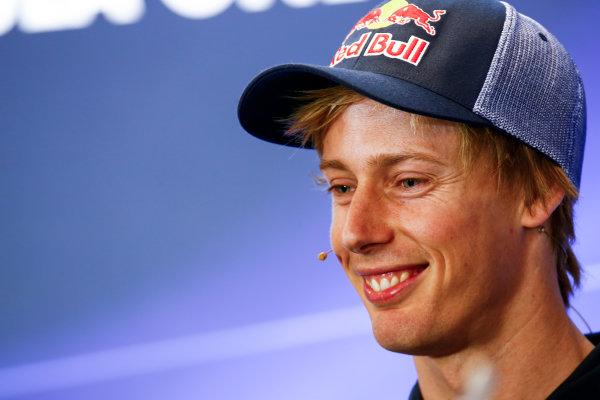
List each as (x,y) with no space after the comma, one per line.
(451,137)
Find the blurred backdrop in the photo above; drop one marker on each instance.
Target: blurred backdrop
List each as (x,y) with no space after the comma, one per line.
(149,248)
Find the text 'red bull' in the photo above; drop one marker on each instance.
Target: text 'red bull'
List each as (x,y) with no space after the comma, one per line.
(383,44)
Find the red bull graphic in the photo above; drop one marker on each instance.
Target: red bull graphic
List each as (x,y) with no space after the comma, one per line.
(369,19)
(420,17)
(398,12)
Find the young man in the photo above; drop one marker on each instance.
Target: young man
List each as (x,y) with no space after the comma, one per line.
(451,136)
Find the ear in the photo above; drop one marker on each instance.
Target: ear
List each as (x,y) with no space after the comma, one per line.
(540,210)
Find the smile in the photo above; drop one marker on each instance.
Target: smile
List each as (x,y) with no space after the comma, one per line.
(385,287)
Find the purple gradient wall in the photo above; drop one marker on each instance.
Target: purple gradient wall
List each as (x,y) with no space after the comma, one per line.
(150,248)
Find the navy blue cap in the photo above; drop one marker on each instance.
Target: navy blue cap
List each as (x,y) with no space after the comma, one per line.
(473,61)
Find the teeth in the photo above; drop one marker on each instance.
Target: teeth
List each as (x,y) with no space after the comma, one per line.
(404,276)
(384,284)
(375,285)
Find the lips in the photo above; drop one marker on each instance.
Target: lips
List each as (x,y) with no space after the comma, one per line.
(387,287)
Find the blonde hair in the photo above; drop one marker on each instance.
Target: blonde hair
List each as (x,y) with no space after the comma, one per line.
(531,171)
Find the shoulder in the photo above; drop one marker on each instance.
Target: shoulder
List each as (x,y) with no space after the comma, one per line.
(415,393)
(584,382)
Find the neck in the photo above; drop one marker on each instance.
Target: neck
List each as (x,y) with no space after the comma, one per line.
(522,355)
(523,365)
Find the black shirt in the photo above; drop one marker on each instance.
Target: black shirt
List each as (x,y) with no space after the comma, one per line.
(582,384)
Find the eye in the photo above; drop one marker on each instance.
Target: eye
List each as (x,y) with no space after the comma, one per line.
(412,185)
(409,183)
(340,189)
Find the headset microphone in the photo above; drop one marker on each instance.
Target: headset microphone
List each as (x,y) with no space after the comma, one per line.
(323,255)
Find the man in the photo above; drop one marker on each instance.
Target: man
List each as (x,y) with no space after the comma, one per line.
(451,137)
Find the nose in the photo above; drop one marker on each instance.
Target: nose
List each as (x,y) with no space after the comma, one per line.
(366,225)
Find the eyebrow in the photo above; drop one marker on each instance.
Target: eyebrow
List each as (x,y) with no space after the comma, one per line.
(332,164)
(382,161)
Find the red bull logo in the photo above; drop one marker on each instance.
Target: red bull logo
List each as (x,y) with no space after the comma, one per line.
(413,13)
(382,44)
(369,19)
(398,12)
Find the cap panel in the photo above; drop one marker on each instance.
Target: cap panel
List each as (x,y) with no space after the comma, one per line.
(271,98)
(273,95)
(534,93)
(460,47)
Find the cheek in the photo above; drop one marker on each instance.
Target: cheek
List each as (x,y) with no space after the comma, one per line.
(450,235)
(430,222)
(474,245)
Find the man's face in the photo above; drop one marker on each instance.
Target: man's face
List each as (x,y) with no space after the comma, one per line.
(434,251)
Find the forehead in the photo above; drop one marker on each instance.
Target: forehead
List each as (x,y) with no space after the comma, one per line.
(368,130)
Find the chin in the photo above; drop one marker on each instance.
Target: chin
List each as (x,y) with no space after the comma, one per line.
(399,338)
(411,346)
(397,344)
(410,337)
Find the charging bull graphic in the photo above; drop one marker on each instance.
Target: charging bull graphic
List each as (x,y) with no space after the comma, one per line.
(369,19)
(398,12)
(413,13)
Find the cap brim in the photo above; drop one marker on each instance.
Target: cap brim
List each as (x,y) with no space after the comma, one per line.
(273,95)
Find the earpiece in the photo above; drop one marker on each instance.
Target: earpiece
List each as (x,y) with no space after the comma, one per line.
(323,255)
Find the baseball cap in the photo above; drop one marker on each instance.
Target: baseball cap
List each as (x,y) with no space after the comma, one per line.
(474,61)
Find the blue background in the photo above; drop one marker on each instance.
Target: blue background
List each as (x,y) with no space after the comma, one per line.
(151,249)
